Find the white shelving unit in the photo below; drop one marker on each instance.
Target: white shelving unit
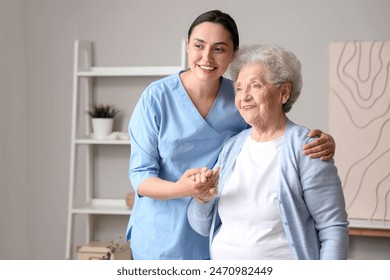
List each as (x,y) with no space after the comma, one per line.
(84,73)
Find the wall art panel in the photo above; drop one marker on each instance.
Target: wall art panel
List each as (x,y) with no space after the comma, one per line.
(359,120)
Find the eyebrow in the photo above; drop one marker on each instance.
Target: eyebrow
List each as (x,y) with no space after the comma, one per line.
(259,78)
(252,79)
(217,43)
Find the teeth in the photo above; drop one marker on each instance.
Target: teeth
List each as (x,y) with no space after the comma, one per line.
(206,67)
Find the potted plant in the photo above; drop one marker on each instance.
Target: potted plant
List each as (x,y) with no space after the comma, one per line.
(102,119)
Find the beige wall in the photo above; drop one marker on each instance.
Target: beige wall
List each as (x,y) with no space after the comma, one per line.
(14,190)
(36,38)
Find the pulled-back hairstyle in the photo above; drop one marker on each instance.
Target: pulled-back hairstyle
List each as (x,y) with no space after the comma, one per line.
(280,64)
(216,16)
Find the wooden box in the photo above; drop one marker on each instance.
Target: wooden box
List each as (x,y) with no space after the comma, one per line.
(104,250)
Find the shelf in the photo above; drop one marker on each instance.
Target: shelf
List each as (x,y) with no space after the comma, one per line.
(130,71)
(83,87)
(369,224)
(375,228)
(104,207)
(87,140)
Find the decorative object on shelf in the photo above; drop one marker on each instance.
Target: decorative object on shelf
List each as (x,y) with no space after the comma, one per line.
(104,250)
(102,119)
(130,200)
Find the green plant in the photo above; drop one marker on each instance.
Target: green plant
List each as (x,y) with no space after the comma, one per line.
(99,111)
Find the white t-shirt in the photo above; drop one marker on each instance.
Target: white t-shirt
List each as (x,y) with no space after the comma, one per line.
(251,225)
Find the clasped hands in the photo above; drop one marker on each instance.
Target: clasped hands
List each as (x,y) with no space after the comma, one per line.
(203,183)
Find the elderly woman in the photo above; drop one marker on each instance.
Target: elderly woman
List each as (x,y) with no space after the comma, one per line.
(273,202)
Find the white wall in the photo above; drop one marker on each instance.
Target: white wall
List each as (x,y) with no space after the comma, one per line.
(36,82)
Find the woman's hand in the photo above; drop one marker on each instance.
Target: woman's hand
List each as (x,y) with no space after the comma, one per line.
(324,147)
(208,189)
(197,182)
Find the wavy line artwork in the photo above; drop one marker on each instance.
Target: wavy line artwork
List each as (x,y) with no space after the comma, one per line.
(359,120)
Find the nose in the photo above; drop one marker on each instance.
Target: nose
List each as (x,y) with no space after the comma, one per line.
(207,54)
(246,94)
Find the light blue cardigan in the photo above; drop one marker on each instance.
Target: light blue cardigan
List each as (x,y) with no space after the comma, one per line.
(311,200)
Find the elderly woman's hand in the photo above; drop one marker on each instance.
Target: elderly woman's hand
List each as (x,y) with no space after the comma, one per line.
(209,189)
(324,147)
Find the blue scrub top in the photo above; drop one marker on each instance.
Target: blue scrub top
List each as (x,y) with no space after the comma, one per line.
(169,136)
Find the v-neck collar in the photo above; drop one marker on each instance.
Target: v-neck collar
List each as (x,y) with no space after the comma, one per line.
(192,112)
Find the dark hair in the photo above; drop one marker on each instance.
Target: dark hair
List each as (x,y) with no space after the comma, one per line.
(217,16)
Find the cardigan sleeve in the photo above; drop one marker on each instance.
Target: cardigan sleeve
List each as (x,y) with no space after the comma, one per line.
(200,216)
(324,198)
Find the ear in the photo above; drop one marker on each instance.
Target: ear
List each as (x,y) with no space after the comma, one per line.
(286,90)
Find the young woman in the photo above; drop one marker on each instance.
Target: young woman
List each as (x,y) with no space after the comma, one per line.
(179,125)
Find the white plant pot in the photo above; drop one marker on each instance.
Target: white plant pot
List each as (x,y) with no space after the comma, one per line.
(102,127)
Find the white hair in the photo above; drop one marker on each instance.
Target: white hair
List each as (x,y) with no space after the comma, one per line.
(281,66)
